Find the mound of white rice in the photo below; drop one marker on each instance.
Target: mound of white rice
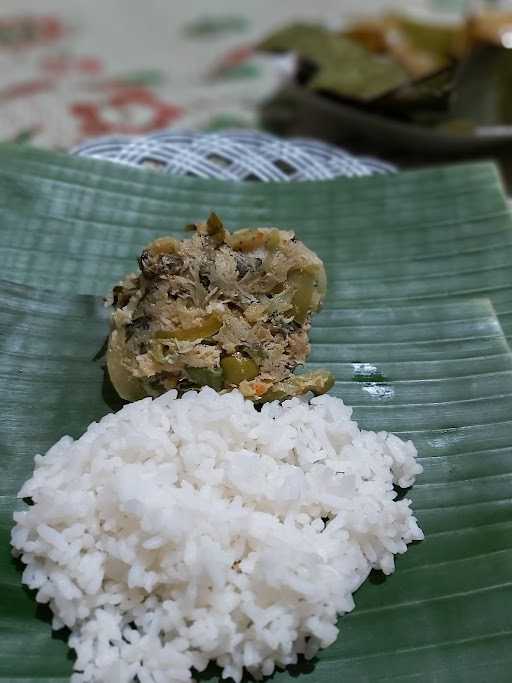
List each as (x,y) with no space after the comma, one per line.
(180,531)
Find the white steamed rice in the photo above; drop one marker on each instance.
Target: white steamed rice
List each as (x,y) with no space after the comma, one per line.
(179,531)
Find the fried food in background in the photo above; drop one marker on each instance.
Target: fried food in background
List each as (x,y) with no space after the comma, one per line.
(408,69)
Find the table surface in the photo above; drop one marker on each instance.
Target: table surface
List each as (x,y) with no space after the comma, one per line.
(73,69)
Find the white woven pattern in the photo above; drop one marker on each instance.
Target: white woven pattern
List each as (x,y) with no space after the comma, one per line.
(234,155)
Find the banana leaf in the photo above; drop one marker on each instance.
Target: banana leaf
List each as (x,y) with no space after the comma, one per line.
(439,374)
(409,332)
(75,224)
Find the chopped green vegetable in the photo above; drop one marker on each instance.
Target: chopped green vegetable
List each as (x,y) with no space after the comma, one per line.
(304,283)
(238,368)
(207,328)
(208,377)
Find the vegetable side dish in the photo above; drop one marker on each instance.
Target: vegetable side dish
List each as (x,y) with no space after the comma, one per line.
(220,310)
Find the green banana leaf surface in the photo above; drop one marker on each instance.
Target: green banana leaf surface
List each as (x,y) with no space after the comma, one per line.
(418,266)
(73,224)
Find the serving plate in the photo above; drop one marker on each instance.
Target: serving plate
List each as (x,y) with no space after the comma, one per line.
(415,328)
(295,111)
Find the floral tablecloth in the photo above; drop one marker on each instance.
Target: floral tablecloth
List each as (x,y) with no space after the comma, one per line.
(71,69)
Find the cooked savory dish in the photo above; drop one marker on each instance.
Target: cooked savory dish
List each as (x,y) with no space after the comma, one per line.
(225,310)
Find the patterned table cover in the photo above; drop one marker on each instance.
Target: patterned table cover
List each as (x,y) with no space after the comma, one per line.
(74,69)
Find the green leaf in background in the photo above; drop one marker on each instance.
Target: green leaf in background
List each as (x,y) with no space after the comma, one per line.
(425,100)
(411,347)
(484,88)
(343,66)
